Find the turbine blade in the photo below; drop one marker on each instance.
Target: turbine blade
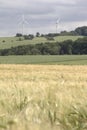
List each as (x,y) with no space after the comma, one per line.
(58,20)
(25,21)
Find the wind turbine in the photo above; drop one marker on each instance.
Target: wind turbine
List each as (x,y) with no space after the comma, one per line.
(23,21)
(57,22)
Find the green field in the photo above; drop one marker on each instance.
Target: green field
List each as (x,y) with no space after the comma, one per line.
(46,59)
(14,41)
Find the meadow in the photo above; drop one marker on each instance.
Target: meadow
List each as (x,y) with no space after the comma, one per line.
(8,42)
(45,59)
(43,97)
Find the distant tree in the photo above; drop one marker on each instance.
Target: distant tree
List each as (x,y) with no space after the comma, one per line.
(66,47)
(28,37)
(65,33)
(62,33)
(37,34)
(80,46)
(81,30)
(52,34)
(31,36)
(3,41)
(18,35)
(35,51)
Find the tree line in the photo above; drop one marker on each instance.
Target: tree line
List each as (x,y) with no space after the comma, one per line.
(78,31)
(68,47)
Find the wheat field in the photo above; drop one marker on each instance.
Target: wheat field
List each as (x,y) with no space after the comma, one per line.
(43,97)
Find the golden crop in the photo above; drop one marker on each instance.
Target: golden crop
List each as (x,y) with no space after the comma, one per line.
(39,96)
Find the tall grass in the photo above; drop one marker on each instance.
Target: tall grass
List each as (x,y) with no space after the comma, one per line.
(43,97)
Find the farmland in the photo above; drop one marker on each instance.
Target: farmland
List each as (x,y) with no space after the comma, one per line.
(46,59)
(42,92)
(8,42)
(43,97)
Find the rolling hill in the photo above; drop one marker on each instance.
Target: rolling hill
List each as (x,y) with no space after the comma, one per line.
(8,42)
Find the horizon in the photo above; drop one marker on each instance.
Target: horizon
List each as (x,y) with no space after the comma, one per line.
(34,34)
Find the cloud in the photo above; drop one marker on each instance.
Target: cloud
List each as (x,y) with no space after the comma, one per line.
(12,3)
(42,14)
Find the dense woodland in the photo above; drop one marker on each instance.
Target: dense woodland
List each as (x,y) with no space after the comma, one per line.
(68,47)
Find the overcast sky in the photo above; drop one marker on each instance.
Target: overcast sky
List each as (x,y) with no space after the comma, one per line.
(41,15)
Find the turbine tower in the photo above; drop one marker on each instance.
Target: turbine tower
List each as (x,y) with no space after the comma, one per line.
(57,22)
(23,22)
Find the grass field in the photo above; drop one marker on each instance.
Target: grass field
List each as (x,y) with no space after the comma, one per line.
(46,59)
(43,97)
(14,41)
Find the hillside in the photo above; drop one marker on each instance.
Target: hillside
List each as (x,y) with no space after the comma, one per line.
(8,42)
